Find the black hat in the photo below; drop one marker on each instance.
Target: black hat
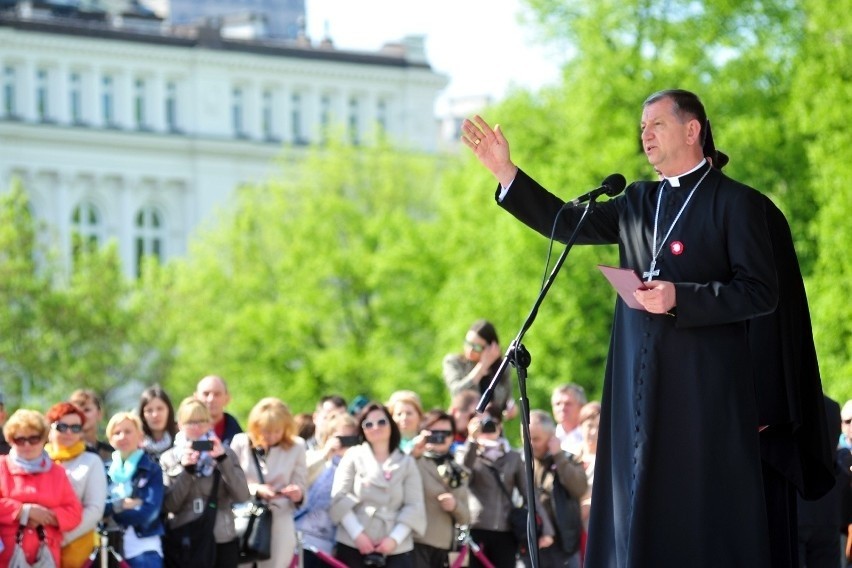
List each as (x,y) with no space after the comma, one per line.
(719,158)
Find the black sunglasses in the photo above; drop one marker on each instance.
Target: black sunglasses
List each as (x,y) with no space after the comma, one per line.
(62,427)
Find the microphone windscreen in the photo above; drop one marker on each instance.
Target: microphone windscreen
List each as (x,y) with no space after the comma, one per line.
(615,184)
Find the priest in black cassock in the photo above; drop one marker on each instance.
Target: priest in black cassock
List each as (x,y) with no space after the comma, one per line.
(678,473)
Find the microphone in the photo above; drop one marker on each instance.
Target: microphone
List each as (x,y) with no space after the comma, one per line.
(611,186)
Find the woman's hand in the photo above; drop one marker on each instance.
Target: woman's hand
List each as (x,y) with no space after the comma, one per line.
(386,546)
(265,492)
(40,515)
(292,492)
(490,354)
(364,544)
(545,541)
(130,503)
(447,502)
(218,448)
(190,456)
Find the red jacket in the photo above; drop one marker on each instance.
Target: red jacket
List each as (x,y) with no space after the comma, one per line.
(50,489)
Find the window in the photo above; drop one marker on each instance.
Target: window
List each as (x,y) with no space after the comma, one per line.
(75,98)
(296,125)
(325,116)
(42,95)
(10,103)
(139,102)
(150,235)
(382,115)
(268,115)
(86,225)
(237,119)
(171,107)
(108,100)
(354,121)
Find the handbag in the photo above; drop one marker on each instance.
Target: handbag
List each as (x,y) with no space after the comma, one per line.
(44,557)
(256,540)
(192,544)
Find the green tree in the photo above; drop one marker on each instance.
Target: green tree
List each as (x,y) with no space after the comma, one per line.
(821,112)
(319,282)
(22,286)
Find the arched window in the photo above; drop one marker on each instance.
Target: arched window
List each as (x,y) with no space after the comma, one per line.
(86,228)
(150,235)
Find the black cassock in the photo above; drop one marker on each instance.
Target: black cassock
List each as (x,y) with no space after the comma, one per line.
(678,471)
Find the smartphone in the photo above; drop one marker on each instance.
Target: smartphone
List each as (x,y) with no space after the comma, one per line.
(202,445)
(436,438)
(348,441)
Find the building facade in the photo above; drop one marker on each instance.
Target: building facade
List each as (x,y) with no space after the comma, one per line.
(120,127)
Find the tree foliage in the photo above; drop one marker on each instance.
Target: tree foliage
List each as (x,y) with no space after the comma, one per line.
(357,269)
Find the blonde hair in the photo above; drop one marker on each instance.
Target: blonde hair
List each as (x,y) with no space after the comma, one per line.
(271,413)
(24,419)
(191,409)
(405,397)
(121,417)
(334,422)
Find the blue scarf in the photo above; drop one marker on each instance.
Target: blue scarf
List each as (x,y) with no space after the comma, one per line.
(40,464)
(121,473)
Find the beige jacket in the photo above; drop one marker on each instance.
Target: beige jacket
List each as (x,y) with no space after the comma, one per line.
(440,530)
(185,491)
(383,497)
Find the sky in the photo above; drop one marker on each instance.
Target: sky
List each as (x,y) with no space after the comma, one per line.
(478,44)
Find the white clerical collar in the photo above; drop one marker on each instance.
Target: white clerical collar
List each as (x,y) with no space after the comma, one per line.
(674,181)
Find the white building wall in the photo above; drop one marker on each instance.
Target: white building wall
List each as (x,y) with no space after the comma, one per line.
(188,174)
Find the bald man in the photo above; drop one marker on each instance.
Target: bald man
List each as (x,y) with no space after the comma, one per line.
(213,392)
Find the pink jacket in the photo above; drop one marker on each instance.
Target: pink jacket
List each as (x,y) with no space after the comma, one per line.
(50,489)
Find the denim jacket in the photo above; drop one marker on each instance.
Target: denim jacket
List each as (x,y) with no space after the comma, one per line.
(148,487)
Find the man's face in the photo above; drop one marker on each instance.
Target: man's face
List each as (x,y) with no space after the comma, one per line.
(566,409)
(93,416)
(665,139)
(539,438)
(211,391)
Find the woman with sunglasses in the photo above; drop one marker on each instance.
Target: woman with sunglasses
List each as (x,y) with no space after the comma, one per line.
(444,489)
(35,494)
(86,473)
(377,496)
(475,367)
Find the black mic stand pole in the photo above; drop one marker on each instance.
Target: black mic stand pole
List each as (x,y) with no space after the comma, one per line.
(520,358)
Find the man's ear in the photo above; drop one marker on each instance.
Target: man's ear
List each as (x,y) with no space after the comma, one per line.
(693,132)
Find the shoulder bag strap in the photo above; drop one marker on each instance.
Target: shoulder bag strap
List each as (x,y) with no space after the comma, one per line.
(214,492)
(256,462)
(500,483)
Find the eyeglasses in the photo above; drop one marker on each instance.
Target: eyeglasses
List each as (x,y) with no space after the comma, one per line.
(31,440)
(380,423)
(475,347)
(62,427)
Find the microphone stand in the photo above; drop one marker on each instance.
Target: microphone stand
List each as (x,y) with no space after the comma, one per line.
(520,358)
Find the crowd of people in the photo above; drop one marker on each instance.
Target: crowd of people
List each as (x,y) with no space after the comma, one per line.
(369,483)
